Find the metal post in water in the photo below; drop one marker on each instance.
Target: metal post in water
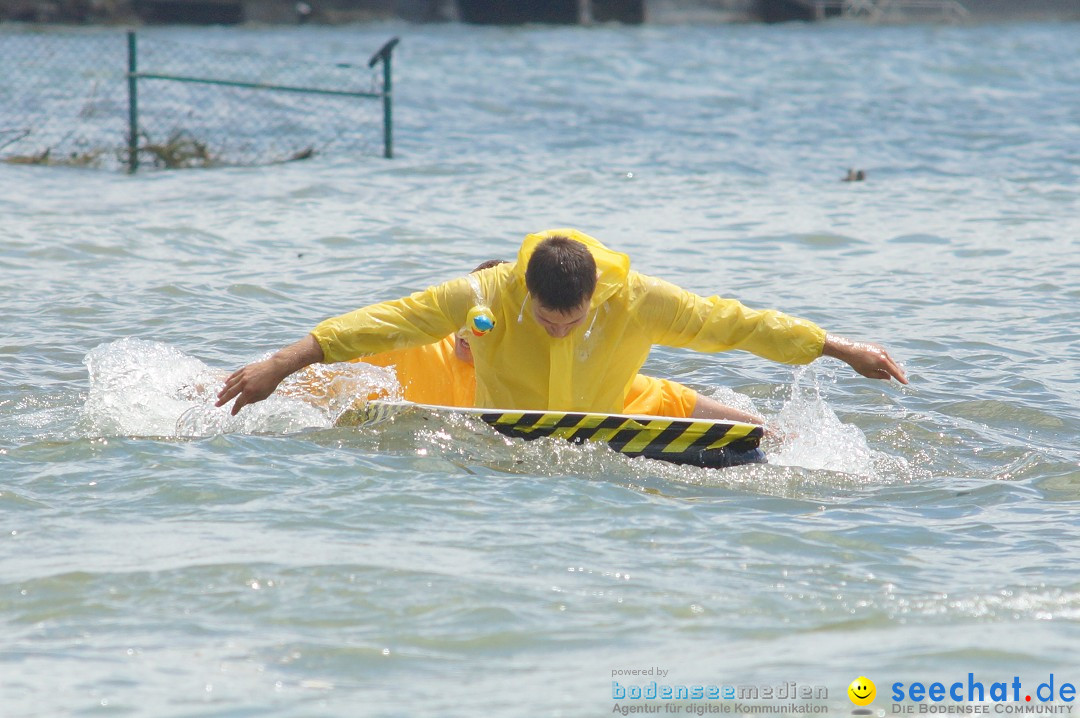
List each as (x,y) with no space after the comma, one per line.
(388,110)
(133,105)
(384,54)
(585,16)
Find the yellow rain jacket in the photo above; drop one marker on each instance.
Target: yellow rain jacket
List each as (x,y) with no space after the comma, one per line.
(519,366)
(433,374)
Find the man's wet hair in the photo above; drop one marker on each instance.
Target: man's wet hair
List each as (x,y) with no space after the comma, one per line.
(561,274)
(488,265)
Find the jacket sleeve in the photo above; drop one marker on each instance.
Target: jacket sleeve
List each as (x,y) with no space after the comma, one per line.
(420,318)
(679,318)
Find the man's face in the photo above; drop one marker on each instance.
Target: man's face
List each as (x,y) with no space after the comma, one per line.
(558,323)
(462,350)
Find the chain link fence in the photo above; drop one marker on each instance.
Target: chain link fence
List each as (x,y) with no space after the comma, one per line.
(114,100)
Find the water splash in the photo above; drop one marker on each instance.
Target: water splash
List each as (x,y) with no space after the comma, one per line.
(811,449)
(139,388)
(147,388)
(811,436)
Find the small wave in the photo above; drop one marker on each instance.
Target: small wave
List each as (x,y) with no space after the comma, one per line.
(1042,603)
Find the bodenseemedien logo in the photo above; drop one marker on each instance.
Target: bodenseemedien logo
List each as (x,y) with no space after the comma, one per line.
(785,698)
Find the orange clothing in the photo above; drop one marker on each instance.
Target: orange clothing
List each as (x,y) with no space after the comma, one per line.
(430,374)
(659,397)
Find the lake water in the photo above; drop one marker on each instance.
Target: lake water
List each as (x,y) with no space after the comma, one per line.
(159,559)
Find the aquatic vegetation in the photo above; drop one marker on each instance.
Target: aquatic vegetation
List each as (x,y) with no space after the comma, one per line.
(181,150)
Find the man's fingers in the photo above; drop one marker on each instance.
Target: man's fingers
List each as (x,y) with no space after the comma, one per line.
(870,360)
(226,386)
(233,385)
(894,369)
(247,385)
(233,379)
(898,373)
(226,394)
(882,366)
(891,371)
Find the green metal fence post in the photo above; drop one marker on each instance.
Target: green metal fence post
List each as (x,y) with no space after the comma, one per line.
(133,105)
(384,54)
(388,110)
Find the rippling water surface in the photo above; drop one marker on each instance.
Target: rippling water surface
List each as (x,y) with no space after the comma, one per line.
(159,558)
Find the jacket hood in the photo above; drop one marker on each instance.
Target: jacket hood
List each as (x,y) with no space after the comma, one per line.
(612,267)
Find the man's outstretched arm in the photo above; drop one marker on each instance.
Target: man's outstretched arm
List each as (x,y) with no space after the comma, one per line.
(870,360)
(713,324)
(257,381)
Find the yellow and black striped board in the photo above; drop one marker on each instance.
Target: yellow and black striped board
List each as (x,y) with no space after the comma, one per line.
(700,442)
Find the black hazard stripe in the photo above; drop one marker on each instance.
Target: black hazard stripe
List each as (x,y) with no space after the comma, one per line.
(622,438)
(540,428)
(575,421)
(570,421)
(530,424)
(673,442)
(612,422)
(637,433)
(711,435)
(678,438)
(669,436)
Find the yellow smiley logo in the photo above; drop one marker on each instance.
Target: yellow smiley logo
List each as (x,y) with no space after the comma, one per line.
(862,691)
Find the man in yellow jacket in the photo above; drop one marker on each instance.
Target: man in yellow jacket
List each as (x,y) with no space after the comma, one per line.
(442,373)
(565,328)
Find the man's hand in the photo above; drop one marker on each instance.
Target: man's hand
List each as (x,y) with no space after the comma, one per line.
(870,360)
(257,381)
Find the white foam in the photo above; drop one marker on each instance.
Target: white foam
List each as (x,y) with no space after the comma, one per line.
(811,436)
(147,388)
